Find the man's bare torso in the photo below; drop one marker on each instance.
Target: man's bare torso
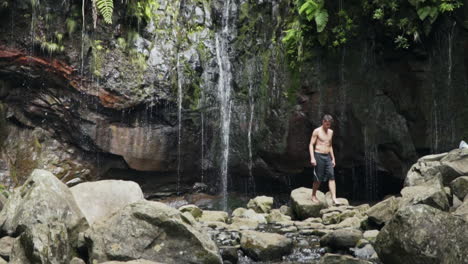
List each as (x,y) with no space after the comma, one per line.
(324,138)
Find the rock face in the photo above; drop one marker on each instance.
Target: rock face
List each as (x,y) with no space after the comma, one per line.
(265,246)
(98,200)
(152,231)
(45,216)
(132,112)
(423,234)
(302,204)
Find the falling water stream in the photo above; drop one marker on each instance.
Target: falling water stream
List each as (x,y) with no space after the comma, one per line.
(224,94)
(179,115)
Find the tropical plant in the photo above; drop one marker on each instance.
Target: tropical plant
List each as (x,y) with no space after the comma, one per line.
(106,8)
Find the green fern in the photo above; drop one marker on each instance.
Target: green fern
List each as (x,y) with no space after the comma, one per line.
(106,8)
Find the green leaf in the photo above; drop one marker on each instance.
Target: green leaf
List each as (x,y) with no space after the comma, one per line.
(321,19)
(106,8)
(424,12)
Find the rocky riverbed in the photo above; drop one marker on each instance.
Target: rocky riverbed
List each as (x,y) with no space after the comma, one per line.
(45,221)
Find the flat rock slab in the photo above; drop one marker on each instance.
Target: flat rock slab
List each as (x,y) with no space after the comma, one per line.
(100,199)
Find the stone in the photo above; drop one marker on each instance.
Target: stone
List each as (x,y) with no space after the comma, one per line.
(45,216)
(76,260)
(423,234)
(265,246)
(286,210)
(341,259)
(2,261)
(152,231)
(341,239)
(462,210)
(371,235)
(213,216)
(331,218)
(460,187)
(100,199)
(329,200)
(261,204)
(192,209)
(432,196)
(6,243)
(367,252)
(383,211)
(229,254)
(302,204)
(275,216)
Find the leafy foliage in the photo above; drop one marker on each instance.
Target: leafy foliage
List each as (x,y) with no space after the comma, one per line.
(408,20)
(106,8)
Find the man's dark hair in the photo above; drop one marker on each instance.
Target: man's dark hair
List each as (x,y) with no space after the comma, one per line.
(328,118)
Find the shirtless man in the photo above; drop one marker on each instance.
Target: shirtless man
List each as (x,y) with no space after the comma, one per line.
(323,158)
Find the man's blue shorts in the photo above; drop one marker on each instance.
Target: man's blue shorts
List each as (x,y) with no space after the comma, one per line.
(323,171)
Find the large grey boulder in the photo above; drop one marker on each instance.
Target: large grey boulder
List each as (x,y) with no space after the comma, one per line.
(440,170)
(341,238)
(341,259)
(152,231)
(383,211)
(421,234)
(101,199)
(261,204)
(45,216)
(265,246)
(430,195)
(139,261)
(459,187)
(302,204)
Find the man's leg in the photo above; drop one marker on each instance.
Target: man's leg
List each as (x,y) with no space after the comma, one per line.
(332,187)
(315,187)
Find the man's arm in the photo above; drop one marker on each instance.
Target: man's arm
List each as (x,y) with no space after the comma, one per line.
(331,151)
(311,147)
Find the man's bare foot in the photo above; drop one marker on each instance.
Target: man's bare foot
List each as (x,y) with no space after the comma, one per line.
(315,200)
(336,202)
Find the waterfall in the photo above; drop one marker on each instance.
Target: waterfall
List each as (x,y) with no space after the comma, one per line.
(370,155)
(249,137)
(449,80)
(224,94)
(179,115)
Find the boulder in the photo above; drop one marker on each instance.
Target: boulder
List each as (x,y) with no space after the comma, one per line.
(423,234)
(286,210)
(459,187)
(341,259)
(100,199)
(45,216)
(6,243)
(341,239)
(366,252)
(261,204)
(2,261)
(302,204)
(329,200)
(76,260)
(213,216)
(192,209)
(383,211)
(462,210)
(265,246)
(276,216)
(371,235)
(152,231)
(432,196)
